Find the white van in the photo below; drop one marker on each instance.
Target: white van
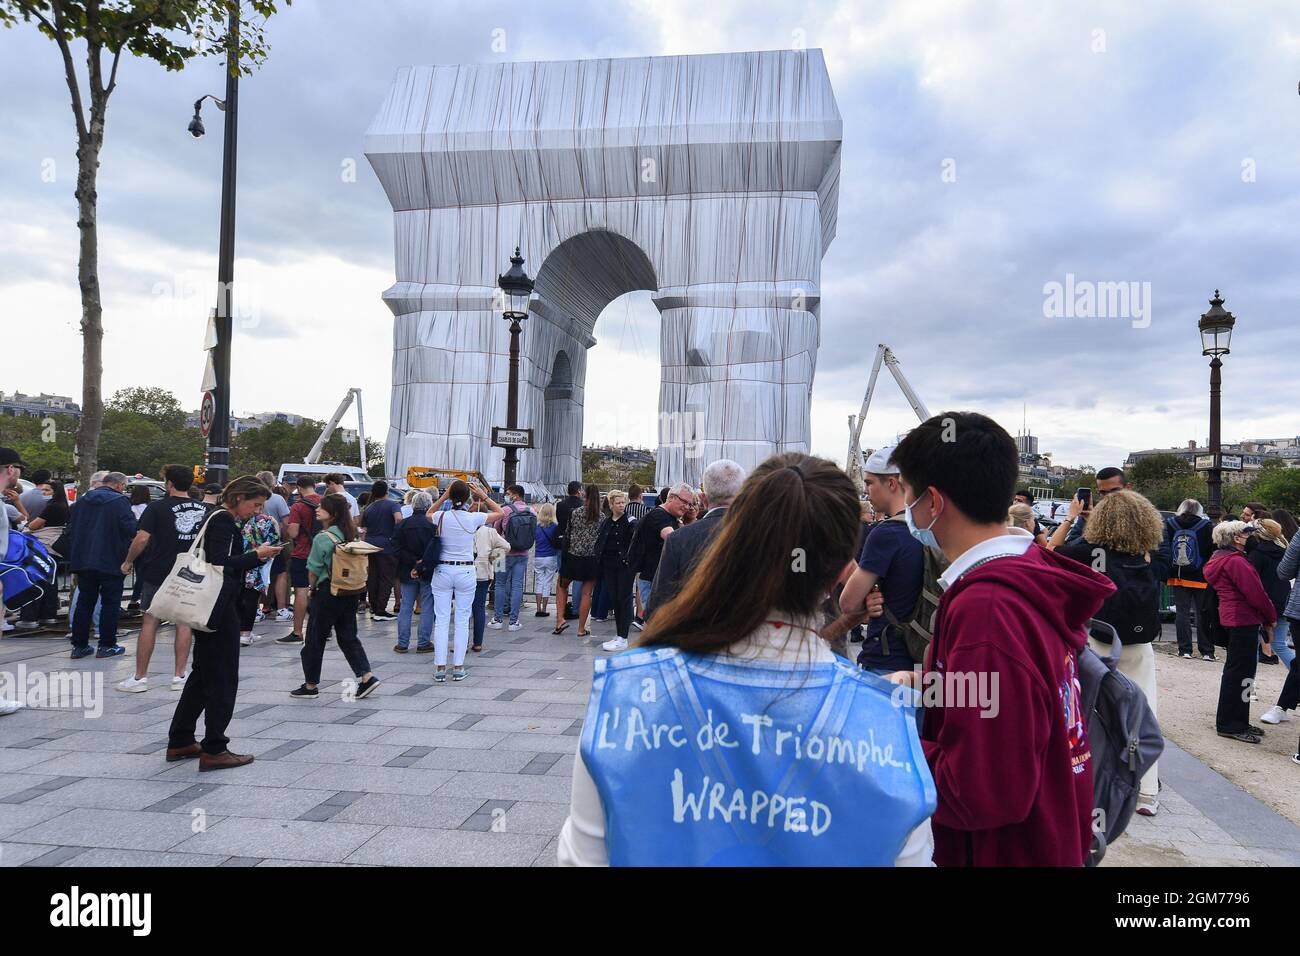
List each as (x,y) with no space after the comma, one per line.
(290,473)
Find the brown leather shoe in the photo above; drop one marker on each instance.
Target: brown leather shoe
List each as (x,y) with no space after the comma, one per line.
(183,753)
(223,761)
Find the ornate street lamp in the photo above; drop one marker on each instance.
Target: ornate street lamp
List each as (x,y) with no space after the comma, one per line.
(1216,337)
(516,290)
(218,437)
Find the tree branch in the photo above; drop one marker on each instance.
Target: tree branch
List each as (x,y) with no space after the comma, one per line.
(69,68)
(112,73)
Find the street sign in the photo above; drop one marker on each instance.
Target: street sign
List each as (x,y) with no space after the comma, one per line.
(1226,463)
(207,412)
(512,437)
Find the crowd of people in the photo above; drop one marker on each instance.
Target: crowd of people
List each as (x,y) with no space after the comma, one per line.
(737,598)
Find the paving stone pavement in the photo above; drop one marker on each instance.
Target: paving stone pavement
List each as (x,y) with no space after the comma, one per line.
(423,774)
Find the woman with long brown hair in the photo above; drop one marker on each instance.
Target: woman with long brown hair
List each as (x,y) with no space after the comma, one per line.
(580,563)
(733,717)
(327,611)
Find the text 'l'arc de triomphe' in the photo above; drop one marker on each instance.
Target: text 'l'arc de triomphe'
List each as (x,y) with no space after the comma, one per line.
(712,181)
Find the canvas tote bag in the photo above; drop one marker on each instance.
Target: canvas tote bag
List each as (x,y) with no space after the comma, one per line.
(191,590)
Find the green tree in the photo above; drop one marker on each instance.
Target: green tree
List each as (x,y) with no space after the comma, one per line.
(41,442)
(169,32)
(1276,487)
(156,404)
(1155,469)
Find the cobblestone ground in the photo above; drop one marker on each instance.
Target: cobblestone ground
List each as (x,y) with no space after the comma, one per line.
(472,773)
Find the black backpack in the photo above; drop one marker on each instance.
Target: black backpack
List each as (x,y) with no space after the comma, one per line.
(1133,610)
(521,529)
(1123,737)
(1217,633)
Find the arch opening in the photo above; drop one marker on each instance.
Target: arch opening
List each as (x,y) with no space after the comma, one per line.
(575,283)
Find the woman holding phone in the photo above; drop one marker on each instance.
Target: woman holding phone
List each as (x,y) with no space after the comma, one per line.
(214,675)
(453,582)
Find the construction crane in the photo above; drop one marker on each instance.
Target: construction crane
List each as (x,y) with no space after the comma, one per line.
(313,456)
(883,354)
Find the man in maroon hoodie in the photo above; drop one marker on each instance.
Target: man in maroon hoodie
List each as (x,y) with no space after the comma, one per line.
(1015,778)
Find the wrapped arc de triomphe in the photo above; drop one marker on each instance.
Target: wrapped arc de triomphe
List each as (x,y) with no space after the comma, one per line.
(712,181)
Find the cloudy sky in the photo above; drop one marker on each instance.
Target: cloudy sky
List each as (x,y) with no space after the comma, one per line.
(990,149)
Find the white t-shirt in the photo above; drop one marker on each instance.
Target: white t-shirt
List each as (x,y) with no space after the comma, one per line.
(457,530)
(352,503)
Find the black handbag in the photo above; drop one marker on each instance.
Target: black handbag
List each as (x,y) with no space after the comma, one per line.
(432,553)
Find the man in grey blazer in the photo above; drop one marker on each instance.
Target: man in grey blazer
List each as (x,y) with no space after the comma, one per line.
(683,548)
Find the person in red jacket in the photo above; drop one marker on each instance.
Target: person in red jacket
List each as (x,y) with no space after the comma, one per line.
(1244,606)
(1013,769)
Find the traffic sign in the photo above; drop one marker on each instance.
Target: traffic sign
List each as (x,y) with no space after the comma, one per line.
(1204,462)
(512,437)
(207,412)
(1230,462)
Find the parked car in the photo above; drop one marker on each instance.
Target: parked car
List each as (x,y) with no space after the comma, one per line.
(156,488)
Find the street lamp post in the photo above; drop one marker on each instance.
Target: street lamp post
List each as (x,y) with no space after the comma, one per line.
(1216,337)
(218,469)
(516,288)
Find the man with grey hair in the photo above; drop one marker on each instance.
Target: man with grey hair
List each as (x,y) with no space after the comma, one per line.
(648,540)
(410,538)
(100,530)
(1187,546)
(683,548)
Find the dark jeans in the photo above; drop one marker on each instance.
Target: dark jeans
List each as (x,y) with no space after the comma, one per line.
(339,613)
(1290,697)
(601,599)
(107,588)
(211,687)
(617,579)
(380,578)
(1233,714)
(478,613)
(1186,602)
(248,600)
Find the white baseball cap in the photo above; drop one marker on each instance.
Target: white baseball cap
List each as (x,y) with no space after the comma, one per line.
(878,462)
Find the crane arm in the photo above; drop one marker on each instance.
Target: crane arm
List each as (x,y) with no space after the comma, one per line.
(883,354)
(313,456)
(913,399)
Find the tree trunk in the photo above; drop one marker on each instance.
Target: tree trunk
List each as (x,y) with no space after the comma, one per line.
(92,326)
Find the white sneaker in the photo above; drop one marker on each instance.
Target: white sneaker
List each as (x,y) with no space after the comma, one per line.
(495,625)
(246,640)
(1147,806)
(257,618)
(284,614)
(1274,715)
(7,627)
(178,683)
(515,627)
(133,685)
(617,644)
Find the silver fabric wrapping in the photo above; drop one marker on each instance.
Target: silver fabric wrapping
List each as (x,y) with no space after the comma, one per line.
(711,180)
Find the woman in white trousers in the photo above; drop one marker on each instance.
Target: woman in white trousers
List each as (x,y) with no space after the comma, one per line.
(453,582)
